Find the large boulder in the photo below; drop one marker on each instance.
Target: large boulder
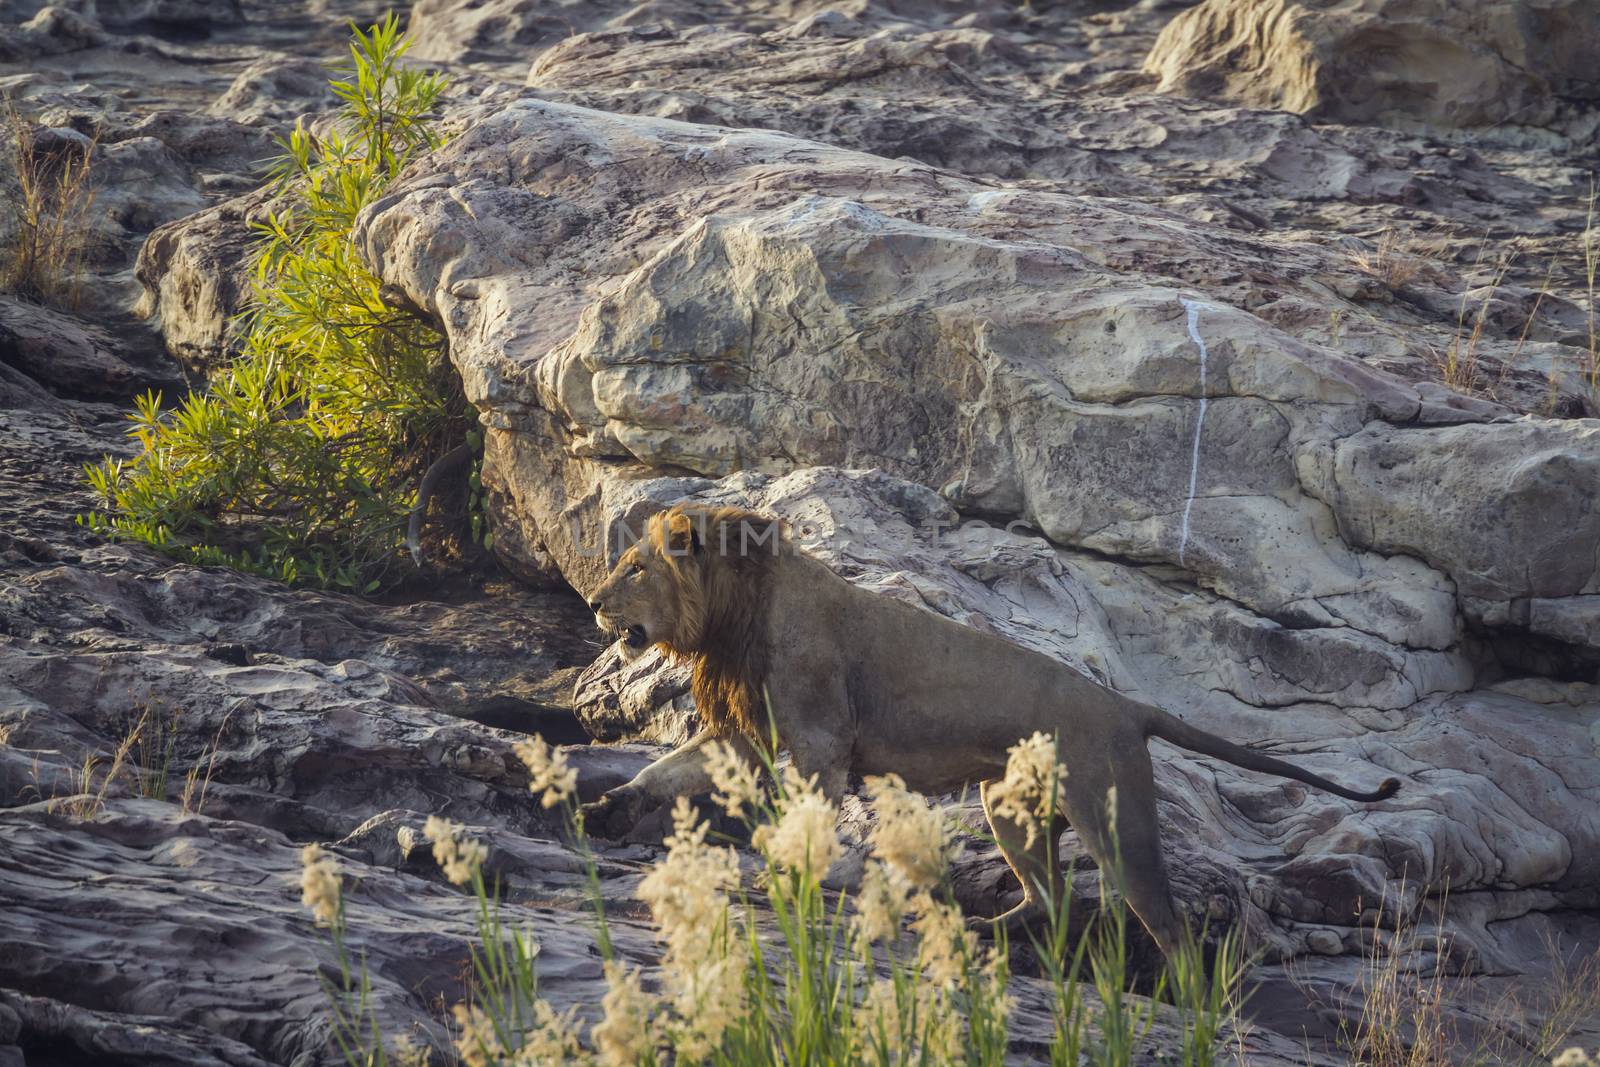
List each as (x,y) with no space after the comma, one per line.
(1441,62)
(1146,480)
(500,30)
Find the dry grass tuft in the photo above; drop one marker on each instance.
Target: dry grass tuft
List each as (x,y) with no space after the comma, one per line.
(1459,364)
(155,744)
(143,761)
(1403,1022)
(1412,1007)
(197,781)
(1386,262)
(51,197)
(88,798)
(1536,1029)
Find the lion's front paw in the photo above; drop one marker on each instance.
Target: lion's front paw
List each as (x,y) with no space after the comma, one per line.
(1015,923)
(615,813)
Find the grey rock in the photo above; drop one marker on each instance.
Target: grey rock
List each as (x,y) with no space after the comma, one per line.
(644,699)
(195,275)
(880,310)
(56,29)
(276,88)
(500,30)
(17,390)
(1479,63)
(171,14)
(143,183)
(1507,510)
(65,1030)
(71,356)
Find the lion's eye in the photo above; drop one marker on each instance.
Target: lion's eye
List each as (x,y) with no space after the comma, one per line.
(637,568)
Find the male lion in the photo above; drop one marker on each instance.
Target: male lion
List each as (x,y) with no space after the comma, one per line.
(861,683)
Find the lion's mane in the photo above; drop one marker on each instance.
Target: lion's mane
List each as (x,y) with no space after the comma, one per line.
(721,560)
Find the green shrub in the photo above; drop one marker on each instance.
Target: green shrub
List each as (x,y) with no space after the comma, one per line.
(301,459)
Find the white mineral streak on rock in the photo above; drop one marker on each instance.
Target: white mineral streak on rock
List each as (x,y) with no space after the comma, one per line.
(1192,321)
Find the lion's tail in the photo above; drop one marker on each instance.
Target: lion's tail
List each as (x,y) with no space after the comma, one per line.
(1180,733)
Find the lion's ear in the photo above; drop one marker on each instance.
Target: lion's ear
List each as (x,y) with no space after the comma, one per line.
(683,536)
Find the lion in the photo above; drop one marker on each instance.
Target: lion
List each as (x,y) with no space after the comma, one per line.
(856,683)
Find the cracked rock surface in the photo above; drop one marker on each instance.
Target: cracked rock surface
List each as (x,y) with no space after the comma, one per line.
(1024,314)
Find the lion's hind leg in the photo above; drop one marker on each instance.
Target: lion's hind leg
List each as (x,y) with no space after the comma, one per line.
(1131,859)
(1034,865)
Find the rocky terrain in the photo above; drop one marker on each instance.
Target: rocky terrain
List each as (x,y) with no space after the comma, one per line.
(1238,353)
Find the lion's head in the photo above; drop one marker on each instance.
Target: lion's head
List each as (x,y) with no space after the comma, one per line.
(696,585)
(691,584)
(649,593)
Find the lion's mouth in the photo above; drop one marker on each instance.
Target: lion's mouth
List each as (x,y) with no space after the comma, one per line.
(635,637)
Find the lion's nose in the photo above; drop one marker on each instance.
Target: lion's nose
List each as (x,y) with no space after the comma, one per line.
(594,605)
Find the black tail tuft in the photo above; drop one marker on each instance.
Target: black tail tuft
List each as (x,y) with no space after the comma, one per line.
(1180,733)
